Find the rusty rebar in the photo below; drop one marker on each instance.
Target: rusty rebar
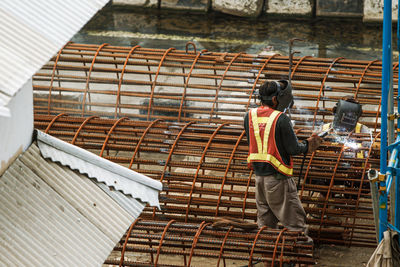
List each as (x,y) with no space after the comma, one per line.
(170,84)
(201,240)
(204,167)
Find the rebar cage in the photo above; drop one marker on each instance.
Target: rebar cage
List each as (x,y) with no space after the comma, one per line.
(177,116)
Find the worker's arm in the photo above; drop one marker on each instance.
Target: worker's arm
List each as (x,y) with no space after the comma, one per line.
(288,138)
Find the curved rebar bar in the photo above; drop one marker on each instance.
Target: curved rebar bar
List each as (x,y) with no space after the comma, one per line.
(257,78)
(118,100)
(162,240)
(223,244)
(53,121)
(52,77)
(254,245)
(141,140)
(220,83)
(81,127)
(362,77)
(128,234)
(276,245)
(323,86)
(226,171)
(155,80)
(199,166)
(195,239)
(366,163)
(109,134)
(88,78)
(186,85)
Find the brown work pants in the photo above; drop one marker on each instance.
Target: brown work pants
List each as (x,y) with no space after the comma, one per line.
(277,200)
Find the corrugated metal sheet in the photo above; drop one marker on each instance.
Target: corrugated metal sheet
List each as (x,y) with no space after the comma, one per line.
(32,31)
(131,205)
(53,216)
(128,181)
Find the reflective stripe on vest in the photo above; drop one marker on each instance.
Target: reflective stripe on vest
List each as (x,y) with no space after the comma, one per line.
(262,154)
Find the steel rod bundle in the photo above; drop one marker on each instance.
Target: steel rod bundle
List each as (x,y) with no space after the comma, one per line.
(204,169)
(148,242)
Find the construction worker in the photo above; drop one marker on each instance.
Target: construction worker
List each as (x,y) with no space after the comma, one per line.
(346,115)
(272,143)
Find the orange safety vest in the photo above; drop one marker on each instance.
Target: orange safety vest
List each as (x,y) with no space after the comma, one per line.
(262,145)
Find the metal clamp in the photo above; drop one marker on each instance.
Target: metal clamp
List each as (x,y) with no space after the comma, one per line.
(373,175)
(393,116)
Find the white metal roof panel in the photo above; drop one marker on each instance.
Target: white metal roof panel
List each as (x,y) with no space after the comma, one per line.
(113,175)
(32,31)
(53,216)
(131,205)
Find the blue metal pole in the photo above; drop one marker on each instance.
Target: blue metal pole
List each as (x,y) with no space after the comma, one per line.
(397,197)
(386,68)
(397,181)
(393,162)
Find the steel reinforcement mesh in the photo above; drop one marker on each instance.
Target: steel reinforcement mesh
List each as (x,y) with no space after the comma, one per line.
(198,86)
(177,116)
(205,172)
(151,243)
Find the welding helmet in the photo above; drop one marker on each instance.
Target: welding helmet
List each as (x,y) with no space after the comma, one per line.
(347,112)
(283,94)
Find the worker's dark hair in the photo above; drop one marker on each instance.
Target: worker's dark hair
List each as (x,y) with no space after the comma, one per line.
(348,99)
(267,90)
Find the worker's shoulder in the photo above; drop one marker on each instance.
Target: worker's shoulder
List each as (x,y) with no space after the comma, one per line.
(283,118)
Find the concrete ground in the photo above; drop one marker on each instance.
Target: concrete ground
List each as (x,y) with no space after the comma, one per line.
(340,256)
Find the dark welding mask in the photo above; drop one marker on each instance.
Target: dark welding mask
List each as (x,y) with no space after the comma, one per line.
(346,115)
(283,95)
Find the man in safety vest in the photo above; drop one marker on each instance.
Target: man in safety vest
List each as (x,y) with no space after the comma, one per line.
(272,143)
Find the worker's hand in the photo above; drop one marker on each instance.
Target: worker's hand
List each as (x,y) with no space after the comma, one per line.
(314,141)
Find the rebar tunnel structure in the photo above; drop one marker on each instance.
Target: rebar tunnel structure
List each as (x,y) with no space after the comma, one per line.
(199,86)
(151,243)
(176,116)
(205,172)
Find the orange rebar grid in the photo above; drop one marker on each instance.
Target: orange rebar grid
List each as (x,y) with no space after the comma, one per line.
(202,98)
(197,190)
(203,239)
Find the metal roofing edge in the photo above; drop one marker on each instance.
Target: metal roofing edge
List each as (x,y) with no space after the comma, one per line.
(113,175)
(31,32)
(51,215)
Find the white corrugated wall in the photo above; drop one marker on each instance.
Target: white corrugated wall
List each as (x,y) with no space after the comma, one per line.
(32,31)
(53,216)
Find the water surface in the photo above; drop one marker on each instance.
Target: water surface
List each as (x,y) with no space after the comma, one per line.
(349,38)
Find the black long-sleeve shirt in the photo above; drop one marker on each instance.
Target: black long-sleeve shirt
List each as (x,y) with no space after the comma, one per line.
(286,141)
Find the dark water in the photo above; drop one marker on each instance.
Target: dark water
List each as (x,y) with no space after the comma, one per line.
(218,32)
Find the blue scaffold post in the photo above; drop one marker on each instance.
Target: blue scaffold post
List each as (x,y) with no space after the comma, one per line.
(397,156)
(386,71)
